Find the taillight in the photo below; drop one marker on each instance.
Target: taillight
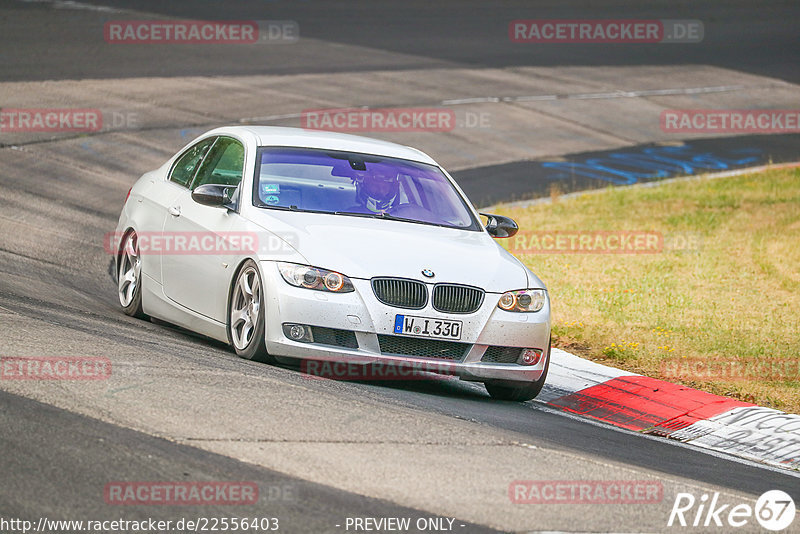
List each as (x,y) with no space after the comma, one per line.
(128,195)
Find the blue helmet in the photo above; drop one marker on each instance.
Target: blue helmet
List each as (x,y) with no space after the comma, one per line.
(376,190)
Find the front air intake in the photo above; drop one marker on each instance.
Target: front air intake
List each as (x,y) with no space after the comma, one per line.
(400,292)
(452,298)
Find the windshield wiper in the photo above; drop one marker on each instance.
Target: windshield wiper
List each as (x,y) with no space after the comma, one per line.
(290,208)
(358,214)
(377,215)
(282,208)
(389,216)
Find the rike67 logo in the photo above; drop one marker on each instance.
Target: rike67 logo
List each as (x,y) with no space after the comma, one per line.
(774,510)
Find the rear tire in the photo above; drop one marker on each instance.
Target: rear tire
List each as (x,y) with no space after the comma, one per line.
(246,312)
(518,391)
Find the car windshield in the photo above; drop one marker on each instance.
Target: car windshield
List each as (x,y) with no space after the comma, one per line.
(358,185)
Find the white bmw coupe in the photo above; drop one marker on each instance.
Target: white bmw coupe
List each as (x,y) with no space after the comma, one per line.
(325,247)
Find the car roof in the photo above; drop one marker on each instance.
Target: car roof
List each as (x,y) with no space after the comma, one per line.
(299,137)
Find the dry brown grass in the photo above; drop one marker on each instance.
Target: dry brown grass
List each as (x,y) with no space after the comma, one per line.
(735,297)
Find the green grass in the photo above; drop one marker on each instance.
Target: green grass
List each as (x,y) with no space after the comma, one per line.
(732,295)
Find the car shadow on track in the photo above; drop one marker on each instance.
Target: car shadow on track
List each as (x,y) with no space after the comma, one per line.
(425,383)
(433,384)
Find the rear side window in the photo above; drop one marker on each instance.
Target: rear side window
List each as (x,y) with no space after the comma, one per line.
(223,165)
(184,169)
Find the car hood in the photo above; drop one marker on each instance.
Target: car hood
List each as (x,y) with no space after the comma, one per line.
(366,247)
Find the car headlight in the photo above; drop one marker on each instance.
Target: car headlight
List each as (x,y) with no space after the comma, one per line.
(523,300)
(315,278)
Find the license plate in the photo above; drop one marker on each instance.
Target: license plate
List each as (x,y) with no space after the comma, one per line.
(410,325)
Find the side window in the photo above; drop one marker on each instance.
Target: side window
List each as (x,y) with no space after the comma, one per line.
(223,165)
(184,169)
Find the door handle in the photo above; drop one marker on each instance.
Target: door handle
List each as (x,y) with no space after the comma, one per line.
(175,211)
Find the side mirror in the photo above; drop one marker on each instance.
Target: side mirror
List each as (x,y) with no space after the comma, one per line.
(218,196)
(499,226)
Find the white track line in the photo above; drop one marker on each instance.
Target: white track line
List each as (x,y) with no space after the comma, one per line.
(605,95)
(534,98)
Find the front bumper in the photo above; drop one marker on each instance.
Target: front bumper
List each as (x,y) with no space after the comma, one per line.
(370,321)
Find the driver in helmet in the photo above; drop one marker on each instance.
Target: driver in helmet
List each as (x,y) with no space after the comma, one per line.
(377,191)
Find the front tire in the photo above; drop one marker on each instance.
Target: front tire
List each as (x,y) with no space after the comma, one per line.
(518,391)
(129,276)
(246,315)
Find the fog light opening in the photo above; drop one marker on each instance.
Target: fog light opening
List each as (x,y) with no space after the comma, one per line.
(298,332)
(530,356)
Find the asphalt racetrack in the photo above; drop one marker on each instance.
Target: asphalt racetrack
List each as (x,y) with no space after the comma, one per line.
(179,407)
